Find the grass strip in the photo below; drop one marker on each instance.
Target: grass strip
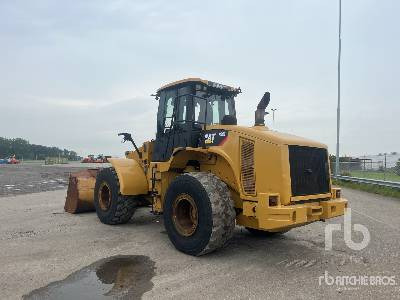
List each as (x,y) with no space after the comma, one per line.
(371,188)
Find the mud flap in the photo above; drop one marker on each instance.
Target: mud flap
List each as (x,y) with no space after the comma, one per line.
(80,194)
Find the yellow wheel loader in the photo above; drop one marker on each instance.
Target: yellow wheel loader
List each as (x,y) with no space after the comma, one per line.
(206,174)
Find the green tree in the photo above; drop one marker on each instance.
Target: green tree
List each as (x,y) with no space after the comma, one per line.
(23,149)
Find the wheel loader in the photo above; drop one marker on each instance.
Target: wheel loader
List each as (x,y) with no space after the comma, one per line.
(206,174)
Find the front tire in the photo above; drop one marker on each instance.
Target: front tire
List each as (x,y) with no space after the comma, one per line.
(112,207)
(199,216)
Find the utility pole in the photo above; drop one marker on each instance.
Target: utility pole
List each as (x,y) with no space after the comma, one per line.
(337,167)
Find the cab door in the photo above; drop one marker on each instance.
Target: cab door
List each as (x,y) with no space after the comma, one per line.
(173,124)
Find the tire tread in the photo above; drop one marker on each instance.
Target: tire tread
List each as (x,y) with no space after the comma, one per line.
(125,206)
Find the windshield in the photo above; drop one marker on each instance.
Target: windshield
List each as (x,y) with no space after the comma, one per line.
(211,108)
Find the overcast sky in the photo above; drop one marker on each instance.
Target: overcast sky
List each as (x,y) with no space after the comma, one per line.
(75,73)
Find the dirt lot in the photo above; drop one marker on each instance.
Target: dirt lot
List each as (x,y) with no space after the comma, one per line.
(36,177)
(47,253)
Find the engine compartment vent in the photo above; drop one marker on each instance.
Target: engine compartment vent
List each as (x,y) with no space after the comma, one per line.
(247,171)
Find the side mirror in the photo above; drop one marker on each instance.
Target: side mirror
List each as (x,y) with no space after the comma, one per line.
(128,137)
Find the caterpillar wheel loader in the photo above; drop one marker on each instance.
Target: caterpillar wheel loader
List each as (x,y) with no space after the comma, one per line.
(206,174)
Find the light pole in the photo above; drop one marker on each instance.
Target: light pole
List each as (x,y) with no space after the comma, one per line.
(337,167)
(273,116)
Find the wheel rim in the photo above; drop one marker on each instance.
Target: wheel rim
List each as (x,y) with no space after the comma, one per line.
(185,215)
(104,196)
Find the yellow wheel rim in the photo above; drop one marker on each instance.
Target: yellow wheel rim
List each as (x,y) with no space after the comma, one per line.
(104,196)
(185,215)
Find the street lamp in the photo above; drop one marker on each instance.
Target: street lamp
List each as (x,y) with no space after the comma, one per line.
(337,171)
(273,115)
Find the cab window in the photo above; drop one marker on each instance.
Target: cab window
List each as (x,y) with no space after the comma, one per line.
(165,110)
(169,111)
(211,108)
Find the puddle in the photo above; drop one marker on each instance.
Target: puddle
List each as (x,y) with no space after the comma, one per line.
(116,277)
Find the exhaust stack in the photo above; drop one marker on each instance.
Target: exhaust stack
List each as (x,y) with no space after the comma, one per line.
(260,112)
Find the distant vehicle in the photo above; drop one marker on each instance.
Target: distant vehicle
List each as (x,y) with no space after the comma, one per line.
(99,159)
(11,160)
(88,159)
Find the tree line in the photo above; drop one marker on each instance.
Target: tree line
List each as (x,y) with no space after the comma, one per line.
(22,149)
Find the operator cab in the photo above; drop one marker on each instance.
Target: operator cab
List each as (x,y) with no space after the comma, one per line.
(185,108)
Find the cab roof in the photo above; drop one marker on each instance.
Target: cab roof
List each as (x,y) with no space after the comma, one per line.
(202,81)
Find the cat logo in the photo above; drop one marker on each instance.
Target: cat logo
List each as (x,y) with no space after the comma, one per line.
(209,138)
(214,137)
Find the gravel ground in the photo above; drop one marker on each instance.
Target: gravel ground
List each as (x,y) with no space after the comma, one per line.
(40,244)
(36,177)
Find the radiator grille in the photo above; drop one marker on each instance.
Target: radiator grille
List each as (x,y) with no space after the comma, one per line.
(309,170)
(247,167)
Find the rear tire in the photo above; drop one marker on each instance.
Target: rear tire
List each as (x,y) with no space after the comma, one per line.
(199,216)
(112,207)
(263,233)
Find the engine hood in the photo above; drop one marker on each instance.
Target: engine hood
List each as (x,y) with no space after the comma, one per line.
(275,137)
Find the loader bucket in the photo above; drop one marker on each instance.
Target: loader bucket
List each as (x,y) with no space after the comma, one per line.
(80,194)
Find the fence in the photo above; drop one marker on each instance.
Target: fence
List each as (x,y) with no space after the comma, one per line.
(378,167)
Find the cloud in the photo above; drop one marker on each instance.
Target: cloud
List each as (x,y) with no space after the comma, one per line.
(66,67)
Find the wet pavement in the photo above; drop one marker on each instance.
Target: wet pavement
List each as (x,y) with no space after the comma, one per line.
(36,177)
(43,250)
(120,277)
